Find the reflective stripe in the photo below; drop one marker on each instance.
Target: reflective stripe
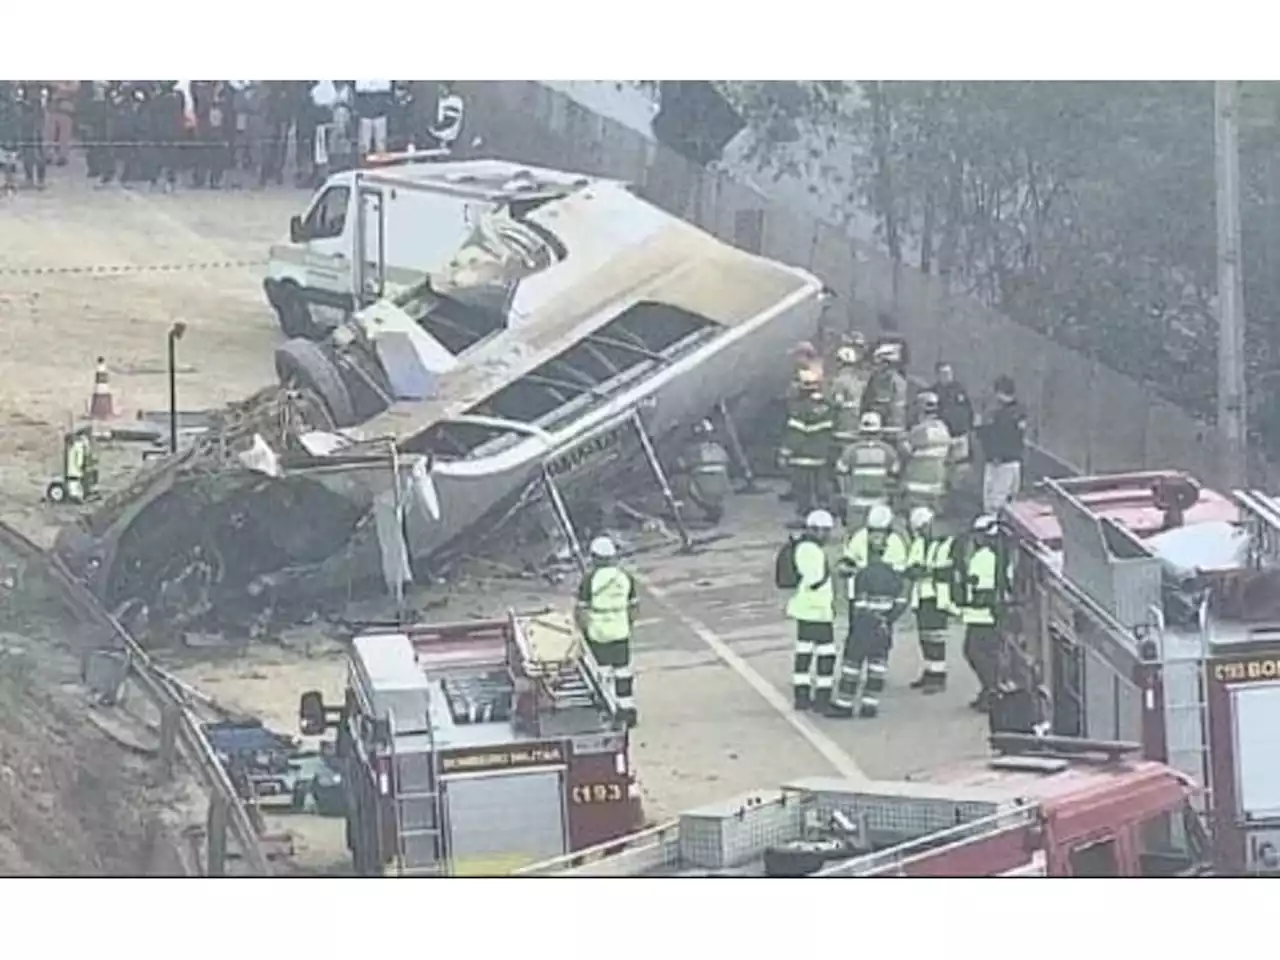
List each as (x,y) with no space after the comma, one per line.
(935,666)
(802,426)
(876,668)
(875,605)
(804,648)
(824,682)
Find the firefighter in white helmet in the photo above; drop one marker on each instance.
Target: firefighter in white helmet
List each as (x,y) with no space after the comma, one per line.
(847,388)
(887,390)
(605,612)
(927,447)
(876,556)
(930,569)
(867,470)
(701,473)
(803,569)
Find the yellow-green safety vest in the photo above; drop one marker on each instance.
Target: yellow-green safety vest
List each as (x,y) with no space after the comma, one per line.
(980,577)
(931,562)
(609,609)
(857,552)
(814,598)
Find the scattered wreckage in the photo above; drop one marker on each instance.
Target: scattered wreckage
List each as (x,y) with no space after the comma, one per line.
(572,333)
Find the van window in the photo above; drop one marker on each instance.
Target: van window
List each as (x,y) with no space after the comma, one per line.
(1095,860)
(1171,843)
(329,216)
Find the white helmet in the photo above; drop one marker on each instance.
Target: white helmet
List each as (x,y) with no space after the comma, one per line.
(985,524)
(870,422)
(819,520)
(920,518)
(879,517)
(603,548)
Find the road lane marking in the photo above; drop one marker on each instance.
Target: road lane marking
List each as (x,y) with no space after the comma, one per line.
(844,764)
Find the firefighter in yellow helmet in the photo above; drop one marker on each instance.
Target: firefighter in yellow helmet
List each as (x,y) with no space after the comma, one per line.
(886,391)
(807,445)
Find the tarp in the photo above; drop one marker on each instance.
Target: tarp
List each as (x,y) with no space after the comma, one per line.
(1207,547)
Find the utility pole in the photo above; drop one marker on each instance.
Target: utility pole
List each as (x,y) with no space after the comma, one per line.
(1231,385)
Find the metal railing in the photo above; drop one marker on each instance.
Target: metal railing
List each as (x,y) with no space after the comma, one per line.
(180,731)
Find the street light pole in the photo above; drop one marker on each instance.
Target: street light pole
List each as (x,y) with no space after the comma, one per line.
(175,334)
(1231,319)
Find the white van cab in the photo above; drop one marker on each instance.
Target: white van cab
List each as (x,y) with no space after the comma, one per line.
(368,233)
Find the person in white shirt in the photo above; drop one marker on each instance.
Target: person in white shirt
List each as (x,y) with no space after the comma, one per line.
(373,103)
(449,111)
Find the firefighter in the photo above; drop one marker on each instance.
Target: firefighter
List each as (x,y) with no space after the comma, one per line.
(847,387)
(807,362)
(927,447)
(979,608)
(812,607)
(886,391)
(806,448)
(930,567)
(868,469)
(876,538)
(703,473)
(877,602)
(605,611)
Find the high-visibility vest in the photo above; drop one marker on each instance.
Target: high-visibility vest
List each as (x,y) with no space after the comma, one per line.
(857,553)
(74,468)
(980,594)
(609,609)
(931,562)
(814,597)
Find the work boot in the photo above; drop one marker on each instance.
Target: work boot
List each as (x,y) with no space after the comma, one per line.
(800,698)
(867,711)
(981,703)
(919,683)
(630,717)
(822,700)
(838,712)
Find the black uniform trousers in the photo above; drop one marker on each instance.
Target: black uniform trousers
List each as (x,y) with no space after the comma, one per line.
(931,628)
(614,660)
(811,684)
(864,665)
(982,654)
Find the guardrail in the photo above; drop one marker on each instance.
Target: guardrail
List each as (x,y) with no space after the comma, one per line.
(180,731)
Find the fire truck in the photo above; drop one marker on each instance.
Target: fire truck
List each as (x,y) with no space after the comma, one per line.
(1040,807)
(474,748)
(1145,607)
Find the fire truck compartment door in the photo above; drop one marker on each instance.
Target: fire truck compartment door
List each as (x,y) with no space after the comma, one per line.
(1256,709)
(498,823)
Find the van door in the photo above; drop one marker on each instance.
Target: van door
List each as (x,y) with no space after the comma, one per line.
(373,251)
(329,277)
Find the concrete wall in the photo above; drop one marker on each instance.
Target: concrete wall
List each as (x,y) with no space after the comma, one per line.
(1093,418)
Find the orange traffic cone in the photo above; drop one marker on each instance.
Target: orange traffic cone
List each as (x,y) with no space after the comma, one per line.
(101,406)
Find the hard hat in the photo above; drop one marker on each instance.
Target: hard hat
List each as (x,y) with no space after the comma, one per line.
(819,520)
(808,377)
(848,354)
(703,426)
(985,524)
(879,517)
(603,548)
(929,400)
(886,351)
(854,338)
(920,518)
(870,422)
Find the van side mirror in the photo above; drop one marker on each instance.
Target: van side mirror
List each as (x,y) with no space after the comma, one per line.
(297,232)
(311,714)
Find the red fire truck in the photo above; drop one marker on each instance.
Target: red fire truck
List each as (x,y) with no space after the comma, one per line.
(1142,606)
(475,748)
(1042,807)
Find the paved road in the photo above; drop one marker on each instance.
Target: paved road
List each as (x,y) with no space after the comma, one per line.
(713,658)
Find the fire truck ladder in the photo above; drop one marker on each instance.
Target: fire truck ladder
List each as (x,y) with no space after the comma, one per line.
(412,833)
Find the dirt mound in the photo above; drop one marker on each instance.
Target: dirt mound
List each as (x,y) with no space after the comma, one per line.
(71,801)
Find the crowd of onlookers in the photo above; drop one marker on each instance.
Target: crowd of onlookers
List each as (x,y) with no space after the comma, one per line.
(213,132)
